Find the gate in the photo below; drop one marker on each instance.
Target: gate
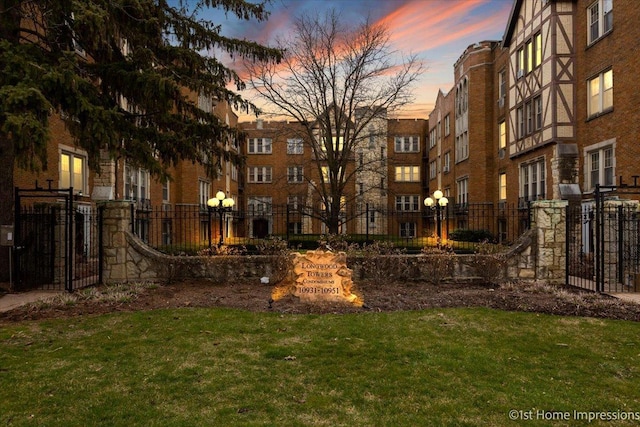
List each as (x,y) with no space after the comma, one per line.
(603,241)
(57,241)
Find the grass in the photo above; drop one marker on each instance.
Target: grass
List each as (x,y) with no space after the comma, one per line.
(207,367)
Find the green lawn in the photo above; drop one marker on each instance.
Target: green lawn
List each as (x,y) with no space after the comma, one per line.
(216,367)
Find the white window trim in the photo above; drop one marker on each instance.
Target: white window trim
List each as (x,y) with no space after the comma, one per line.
(601,109)
(407,173)
(600,146)
(601,21)
(74,153)
(264,174)
(252,146)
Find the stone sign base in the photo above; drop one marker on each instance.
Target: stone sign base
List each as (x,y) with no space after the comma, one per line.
(319,276)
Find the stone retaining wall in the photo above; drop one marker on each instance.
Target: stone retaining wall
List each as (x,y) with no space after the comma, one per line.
(539,254)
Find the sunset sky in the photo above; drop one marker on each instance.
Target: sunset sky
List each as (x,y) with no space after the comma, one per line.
(438,31)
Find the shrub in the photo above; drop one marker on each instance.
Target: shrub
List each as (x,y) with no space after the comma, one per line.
(437,264)
(281,259)
(489,263)
(379,263)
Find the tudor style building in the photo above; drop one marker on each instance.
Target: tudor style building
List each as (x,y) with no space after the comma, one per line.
(534,116)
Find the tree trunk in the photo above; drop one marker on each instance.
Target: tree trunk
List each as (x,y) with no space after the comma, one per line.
(7,160)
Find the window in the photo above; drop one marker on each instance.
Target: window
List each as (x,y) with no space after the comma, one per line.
(326,173)
(537,43)
(502,186)
(502,85)
(295,146)
(408,229)
(372,137)
(600,164)
(502,135)
(520,122)
(407,144)
(432,138)
(136,183)
(520,63)
(447,162)
(259,205)
(447,125)
(407,173)
(294,227)
(600,94)
(462,191)
(260,174)
(537,108)
(295,174)
(409,203)
(529,56)
(599,19)
(259,146)
(532,180)
(73,169)
(234,172)
(462,146)
(337,144)
(529,117)
(294,202)
(433,170)
(165,191)
(204,190)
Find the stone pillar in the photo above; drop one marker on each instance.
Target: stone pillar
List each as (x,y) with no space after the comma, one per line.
(116,221)
(549,222)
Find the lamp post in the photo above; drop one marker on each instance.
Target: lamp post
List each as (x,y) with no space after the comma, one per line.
(220,204)
(438,202)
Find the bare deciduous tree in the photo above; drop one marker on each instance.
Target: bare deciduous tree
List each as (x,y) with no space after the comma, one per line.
(339,82)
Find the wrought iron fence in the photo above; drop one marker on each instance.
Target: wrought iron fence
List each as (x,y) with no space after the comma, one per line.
(58,246)
(194,229)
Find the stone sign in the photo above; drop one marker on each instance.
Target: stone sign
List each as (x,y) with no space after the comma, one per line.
(322,275)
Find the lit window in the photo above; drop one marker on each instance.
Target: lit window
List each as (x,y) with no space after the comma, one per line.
(407,173)
(600,90)
(502,186)
(502,135)
(72,171)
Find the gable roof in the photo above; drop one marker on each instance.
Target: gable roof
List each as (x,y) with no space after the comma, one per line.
(511,23)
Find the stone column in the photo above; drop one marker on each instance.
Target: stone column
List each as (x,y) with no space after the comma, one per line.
(117,220)
(550,223)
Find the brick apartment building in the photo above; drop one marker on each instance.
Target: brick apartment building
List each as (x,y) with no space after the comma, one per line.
(283,175)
